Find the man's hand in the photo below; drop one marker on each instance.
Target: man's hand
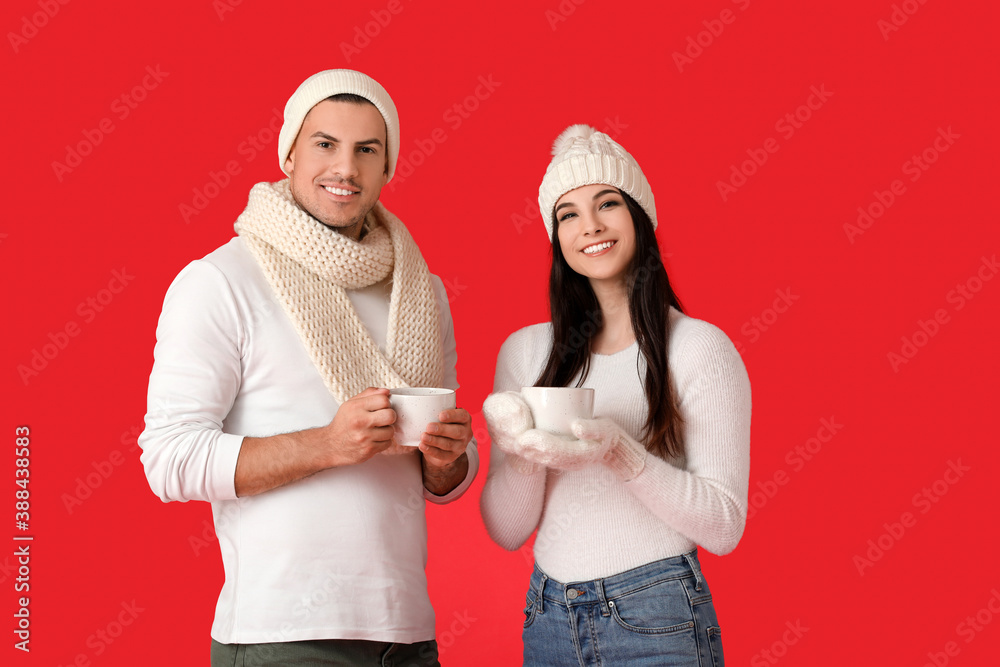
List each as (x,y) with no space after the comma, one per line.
(445,463)
(361,428)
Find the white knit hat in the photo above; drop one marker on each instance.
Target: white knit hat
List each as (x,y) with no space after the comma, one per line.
(584,156)
(320,86)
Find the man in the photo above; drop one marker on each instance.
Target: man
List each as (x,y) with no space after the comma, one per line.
(263,399)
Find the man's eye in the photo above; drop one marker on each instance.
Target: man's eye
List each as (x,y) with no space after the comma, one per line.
(367,149)
(324,144)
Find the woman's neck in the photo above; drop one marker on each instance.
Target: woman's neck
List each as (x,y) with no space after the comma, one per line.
(616,334)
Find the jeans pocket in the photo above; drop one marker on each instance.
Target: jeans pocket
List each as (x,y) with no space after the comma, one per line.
(661,608)
(715,644)
(529,609)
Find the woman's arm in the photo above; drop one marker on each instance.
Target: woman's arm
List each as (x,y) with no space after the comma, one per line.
(707,500)
(514,493)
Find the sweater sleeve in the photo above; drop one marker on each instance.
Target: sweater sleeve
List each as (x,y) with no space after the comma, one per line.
(707,501)
(195,380)
(512,501)
(450,353)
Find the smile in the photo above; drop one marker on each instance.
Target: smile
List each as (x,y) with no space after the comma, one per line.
(598,247)
(339,191)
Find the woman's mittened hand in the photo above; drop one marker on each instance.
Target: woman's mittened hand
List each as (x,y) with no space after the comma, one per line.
(507,416)
(619,451)
(553,451)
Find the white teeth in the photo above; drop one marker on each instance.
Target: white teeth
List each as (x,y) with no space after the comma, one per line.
(338,191)
(590,250)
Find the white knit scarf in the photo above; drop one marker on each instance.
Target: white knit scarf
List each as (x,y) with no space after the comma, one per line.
(309,266)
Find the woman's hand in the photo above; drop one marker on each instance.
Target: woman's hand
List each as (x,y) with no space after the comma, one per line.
(507,417)
(619,451)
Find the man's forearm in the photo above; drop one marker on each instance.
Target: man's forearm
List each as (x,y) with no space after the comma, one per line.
(442,480)
(267,463)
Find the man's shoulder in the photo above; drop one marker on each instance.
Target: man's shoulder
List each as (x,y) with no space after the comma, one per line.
(230,258)
(228,270)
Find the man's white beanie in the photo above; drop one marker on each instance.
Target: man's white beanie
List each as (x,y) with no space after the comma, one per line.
(320,86)
(584,156)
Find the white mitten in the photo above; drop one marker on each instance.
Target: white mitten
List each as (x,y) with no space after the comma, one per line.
(553,451)
(507,417)
(621,453)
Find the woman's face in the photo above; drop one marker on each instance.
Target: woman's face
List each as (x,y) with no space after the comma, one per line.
(596,233)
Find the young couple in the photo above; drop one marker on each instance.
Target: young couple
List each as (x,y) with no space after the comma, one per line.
(268,399)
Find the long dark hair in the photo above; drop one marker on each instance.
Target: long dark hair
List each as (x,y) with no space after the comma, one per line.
(577,318)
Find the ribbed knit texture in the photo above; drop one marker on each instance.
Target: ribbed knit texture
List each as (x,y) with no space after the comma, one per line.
(584,156)
(309,266)
(592,523)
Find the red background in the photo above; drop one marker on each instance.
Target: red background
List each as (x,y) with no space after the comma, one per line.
(223,72)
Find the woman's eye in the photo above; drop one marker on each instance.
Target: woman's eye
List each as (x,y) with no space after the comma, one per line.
(566,216)
(609,203)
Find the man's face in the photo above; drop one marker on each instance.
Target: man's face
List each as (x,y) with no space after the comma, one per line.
(338,164)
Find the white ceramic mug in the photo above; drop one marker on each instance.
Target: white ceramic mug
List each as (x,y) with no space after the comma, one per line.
(554,409)
(416,407)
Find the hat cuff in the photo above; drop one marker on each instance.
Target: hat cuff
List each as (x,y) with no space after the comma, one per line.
(591,169)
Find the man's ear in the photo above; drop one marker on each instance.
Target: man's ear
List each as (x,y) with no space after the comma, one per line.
(290,161)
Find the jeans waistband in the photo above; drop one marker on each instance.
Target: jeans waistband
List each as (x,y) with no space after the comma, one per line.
(600,590)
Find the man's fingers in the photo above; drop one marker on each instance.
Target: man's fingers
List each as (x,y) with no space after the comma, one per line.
(452,431)
(455,416)
(444,444)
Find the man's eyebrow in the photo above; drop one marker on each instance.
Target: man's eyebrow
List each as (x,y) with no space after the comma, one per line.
(323,135)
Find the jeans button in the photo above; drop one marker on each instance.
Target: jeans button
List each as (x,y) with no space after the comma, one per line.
(572,593)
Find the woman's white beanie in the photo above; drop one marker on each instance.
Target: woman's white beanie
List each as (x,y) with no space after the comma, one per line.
(320,86)
(584,156)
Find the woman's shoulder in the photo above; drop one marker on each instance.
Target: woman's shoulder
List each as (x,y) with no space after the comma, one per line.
(529,337)
(694,340)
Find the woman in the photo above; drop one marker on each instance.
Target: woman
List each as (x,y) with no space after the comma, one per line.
(662,470)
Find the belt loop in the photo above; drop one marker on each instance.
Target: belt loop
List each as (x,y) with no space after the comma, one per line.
(599,585)
(692,560)
(541,594)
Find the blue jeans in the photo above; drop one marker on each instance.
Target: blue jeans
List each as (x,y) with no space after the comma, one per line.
(659,614)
